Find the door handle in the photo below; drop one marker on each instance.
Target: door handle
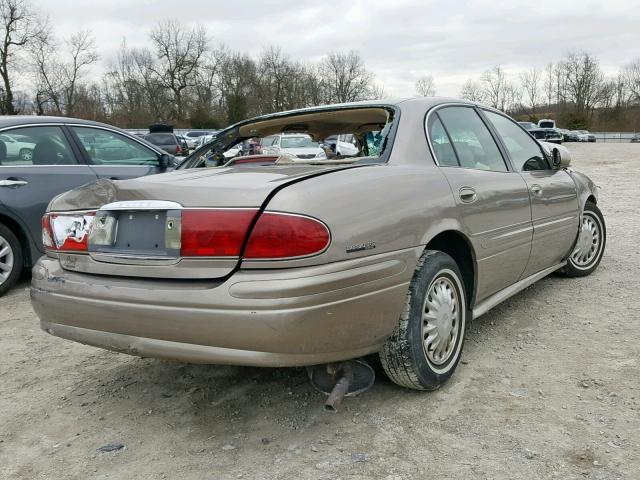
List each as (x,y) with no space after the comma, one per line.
(12,183)
(536,189)
(467,195)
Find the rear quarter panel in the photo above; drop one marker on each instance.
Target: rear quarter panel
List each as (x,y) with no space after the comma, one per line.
(384,207)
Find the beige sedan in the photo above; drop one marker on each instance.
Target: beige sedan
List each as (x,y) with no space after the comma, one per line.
(446,209)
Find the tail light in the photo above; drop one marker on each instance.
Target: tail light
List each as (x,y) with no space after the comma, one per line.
(284,235)
(221,233)
(214,233)
(200,233)
(178,149)
(67,232)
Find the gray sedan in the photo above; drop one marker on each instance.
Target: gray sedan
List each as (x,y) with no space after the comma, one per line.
(446,209)
(41,157)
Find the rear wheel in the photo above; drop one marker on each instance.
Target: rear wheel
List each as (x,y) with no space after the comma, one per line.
(10,259)
(589,248)
(424,349)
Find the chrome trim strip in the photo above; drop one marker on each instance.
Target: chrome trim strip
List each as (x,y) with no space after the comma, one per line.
(133,259)
(499,297)
(141,205)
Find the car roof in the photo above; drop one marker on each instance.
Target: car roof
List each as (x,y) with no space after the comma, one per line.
(16,120)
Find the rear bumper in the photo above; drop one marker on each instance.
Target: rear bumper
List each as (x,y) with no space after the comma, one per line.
(299,316)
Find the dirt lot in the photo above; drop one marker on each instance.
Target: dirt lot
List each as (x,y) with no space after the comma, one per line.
(548,388)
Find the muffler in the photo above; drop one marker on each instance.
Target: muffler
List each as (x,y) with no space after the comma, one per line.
(342,379)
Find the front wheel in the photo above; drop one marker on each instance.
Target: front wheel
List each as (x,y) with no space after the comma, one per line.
(10,259)
(589,248)
(26,154)
(426,345)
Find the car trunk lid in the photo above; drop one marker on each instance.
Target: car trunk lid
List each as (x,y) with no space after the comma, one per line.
(141,218)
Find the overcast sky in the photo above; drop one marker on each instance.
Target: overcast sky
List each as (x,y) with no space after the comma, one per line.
(398,39)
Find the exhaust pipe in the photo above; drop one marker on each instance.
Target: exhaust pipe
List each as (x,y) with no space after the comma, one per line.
(339,380)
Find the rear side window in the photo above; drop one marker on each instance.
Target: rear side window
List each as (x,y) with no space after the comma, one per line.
(110,148)
(472,141)
(442,148)
(525,153)
(44,145)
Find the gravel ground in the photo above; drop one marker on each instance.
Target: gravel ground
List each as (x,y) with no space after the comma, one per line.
(548,388)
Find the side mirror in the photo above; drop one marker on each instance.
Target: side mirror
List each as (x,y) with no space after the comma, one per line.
(560,157)
(165,161)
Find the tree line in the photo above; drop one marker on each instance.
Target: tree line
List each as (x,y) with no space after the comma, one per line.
(574,90)
(184,79)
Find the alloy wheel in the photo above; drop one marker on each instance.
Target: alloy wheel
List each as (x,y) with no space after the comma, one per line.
(6,260)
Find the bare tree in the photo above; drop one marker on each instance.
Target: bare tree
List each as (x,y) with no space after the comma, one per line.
(495,85)
(344,77)
(61,69)
(236,83)
(82,54)
(549,83)
(376,91)
(179,50)
(425,86)
(584,82)
(530,80)
(472,91)
(280,82)
(630,79)
(129,90)
(21,26)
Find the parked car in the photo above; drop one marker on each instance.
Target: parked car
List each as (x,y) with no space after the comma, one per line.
(297,144)
(551,135)
(528,125)
(166,141)
(18,147)
(546,123)
(204,139)
(572,136)
(183,144)
(63,154)
(585,136)
(446,210)
(193,136)
(341,145)
(635,138)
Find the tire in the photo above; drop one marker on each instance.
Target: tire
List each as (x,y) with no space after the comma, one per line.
(590,246)
(26,154)
(10,259)
(407,358)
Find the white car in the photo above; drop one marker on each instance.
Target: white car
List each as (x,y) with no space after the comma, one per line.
(343,145)
(204,139)
(19,147)
(299,145)
(193,137)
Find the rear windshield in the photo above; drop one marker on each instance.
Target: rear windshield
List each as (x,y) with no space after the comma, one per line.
(161,138)
(309,137)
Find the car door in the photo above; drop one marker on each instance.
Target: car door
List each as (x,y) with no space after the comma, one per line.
(492,201)
(113,155)
(553,195)
(29,182)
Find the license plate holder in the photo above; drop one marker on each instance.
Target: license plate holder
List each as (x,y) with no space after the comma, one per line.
(139,233)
